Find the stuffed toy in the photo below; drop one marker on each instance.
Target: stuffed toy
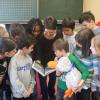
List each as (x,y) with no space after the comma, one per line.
(72,75)
(52,64)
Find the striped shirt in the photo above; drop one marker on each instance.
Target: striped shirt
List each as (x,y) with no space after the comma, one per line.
(96,76)
(89,65)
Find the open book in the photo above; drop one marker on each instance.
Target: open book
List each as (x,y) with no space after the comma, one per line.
(41,70)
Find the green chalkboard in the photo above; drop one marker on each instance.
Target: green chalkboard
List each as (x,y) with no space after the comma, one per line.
(60,8)
(17,10)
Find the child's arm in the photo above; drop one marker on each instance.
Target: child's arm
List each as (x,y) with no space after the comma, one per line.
(95,81)
(58,73)
(81,67)
(32,81)
(1,78)
(14,79)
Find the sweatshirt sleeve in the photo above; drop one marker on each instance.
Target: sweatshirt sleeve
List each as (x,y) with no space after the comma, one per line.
(81,67)
(32,81)
(16,83)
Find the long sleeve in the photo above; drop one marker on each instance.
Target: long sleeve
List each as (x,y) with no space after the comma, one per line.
(96,75)
(32,82)
(14,79)
(81,67)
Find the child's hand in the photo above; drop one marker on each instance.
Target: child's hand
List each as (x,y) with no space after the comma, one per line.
(76,89)
(30,91)
(58,73)
(1,78)
(56,59)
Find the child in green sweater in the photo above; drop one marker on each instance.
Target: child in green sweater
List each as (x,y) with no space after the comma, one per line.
(61,50)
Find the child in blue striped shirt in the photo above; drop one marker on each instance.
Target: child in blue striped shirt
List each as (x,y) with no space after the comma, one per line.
(83,42)
(95,48)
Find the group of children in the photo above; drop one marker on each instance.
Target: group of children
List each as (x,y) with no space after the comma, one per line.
(79,50)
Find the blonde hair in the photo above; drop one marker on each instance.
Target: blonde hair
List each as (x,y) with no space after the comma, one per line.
(96,41)
(3,32)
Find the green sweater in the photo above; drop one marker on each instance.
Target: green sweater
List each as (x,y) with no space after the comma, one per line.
(81,67)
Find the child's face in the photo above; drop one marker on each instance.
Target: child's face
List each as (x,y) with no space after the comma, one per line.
(86,24)
(50,33)
(10,53)
(95,50)
(58,53)
(68,31)
(36,30)
(28,50)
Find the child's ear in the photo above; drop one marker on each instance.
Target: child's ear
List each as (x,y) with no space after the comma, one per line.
(92,22)
(25,48)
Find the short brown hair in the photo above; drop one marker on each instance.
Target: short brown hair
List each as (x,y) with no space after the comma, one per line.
(50,22)
(68,23)
(16,29)
(86,16)
(60,44)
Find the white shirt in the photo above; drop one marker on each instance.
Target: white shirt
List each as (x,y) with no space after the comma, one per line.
(71,41)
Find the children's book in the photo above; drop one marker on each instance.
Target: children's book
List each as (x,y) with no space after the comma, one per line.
(41,70)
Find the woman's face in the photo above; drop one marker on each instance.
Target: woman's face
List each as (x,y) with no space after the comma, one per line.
(36,31)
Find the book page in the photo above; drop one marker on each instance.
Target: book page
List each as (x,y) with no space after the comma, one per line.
(37,67)
(41,70)
(49,70)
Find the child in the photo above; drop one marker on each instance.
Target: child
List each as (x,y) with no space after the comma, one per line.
(87,20)
(95,48)
(35,27)
(45,54)
(20,71)
(61,49)
(7,50)
(83,42)
(16,30)
(68,26)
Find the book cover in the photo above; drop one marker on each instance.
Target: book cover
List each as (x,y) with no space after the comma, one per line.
(41,70)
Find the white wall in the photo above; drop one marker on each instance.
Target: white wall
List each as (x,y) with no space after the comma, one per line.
(93,6)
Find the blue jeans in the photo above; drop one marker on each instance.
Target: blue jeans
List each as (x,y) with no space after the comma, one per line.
(60,95)
(7,93)
(96,95)
(34,95)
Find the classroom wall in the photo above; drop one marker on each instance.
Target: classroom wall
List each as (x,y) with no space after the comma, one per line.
(93,6)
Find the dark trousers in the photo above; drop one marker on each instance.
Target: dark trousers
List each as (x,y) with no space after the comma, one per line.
(1,94)
(60,95)
(28,98)
(7,92)
(83,95)
(48,91)
(95,95)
